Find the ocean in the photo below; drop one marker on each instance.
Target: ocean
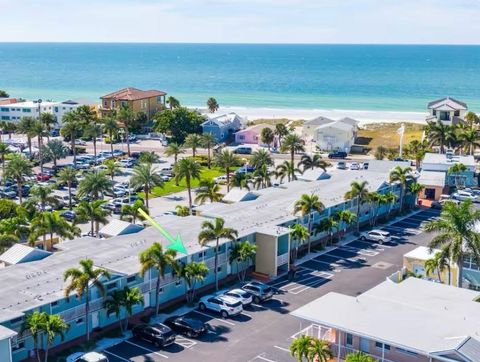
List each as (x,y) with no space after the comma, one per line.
(347,77)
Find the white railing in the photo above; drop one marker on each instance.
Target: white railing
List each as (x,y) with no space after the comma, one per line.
(79,311)
(317,331)
(210,262)
(282,259)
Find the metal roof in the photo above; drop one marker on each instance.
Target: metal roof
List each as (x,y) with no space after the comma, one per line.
(20,253)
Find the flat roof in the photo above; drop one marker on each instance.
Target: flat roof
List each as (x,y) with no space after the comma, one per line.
(6,333)
(421,253)
(441,158)
(448,315)
(432,178)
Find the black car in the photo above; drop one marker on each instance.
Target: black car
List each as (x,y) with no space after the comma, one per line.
(158,334)
(189,327)
(338,154)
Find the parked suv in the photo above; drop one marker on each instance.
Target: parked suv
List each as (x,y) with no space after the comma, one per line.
(338,154)
(158,334)
(379,236)
(241,295)
(260,291)
(226,306)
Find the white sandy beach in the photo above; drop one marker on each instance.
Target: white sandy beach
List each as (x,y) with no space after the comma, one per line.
(363,116)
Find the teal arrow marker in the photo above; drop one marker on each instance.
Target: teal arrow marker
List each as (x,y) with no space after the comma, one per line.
(175,243)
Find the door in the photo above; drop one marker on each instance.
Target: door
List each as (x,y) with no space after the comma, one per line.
(364,345)
(95,320)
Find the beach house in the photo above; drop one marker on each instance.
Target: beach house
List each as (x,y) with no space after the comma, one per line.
(222,127)
(447,110)
(412,321)
(251,135)
(329,134)
(148,102)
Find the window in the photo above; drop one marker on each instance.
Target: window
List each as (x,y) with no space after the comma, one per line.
(105,103)
(379,346)
(178,282)
(79,321)
(241,137)
(131,279)
(56,109)
(124,104)
(5,109)
(18,346)
(401,350)
(111,286)
(159,99)
(456,113)
(434,113)
(219,269)
(349,339)
(53,304)
(26,110)
(5,118)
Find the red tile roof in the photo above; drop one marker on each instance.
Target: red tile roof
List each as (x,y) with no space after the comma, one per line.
(133,94)
(8,101)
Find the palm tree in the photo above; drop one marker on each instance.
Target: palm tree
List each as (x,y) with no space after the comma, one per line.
(469,140)
(112,168)
(48,120)
(94,185)
(226,160)
(94,212)
(72,128)
(415,188)
(9,127)
(390,198)
(402,176)
(26,126)
(433,265)
(306,206)
(182,211)
(6,241)
(18,169)
(381,152)
(456,171)
(242,253)
(319,351)
(55,150)
(299,234)
(148,157)
(267,137)
(193,141)
(309,162)
(123,299)
(174,149)
(81,280)
(193,273)
(212,105)
(241,180)
(208,141)
(51,223)
(292,143)
(68,176)
(34,323)
(39,131)
(358,191)
(261,158)
(110,126)
(173,102)
(189,170)
(131,212)
(327,225)
(262,177)
(54,326)
(126,117)
(214,232)
(345,218)
(456,232)
(440,134)
(288,170)
(42,195)
(208,190)
(299,347)
(359,357)
(147,177)
(155,258)
(94,130)
(4,151)
(280,131)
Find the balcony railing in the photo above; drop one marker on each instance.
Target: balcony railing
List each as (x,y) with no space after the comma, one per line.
(282,259)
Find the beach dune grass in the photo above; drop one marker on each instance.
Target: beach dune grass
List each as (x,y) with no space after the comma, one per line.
(385,134)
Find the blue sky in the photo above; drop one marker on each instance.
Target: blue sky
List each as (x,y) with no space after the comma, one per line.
(243,21)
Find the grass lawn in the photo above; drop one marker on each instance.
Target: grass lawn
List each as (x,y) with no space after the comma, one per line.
(385,134)
(169,187)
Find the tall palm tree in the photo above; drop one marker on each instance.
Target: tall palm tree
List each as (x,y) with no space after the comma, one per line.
(10,127)
(25,126)
(51,223)
(298,235)
(415,188)
(173,102)
(72,127)
(280,131)
(94,185)
(193,141)
(293,144)
(241,180)
(34,323)
(262,177)
(434,265)
(456,232)
(18,169)
(4,151)
(212,105)
(112,168)
(456,171)
(359,192)
(214,232)
(242,253)
(126,116)
(81,280)
(193,273)
(189,170)
(226,160)
(345,218)
(148,157)
(94,130)
(328,225)
(208,190)
(40,132)
(440,134)
(261,158)
(94,213)
(319,351)
(309,162)
(110,126)
(390,198)
(159,260)
(469,140)
(267,136)
(68,175)
(48,120)
(55,150)
(54,326)
(299,347)
(126,299)
(208,141)
(306,206)
(147,177)
(288,170)
(174,149)
(42,195)
(402,176)
(131,212)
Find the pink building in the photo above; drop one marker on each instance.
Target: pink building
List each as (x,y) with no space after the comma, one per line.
(412,321)
(251,135)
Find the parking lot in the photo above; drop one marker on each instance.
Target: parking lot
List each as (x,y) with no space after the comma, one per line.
(264,332)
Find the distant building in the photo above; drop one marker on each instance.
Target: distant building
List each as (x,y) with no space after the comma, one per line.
(148,102)
(221,127)
(251,135)
(412,321)
(329,134)
(447,110)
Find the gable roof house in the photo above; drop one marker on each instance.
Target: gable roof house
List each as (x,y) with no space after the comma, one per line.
(447,110)
(221,127)
(251,135)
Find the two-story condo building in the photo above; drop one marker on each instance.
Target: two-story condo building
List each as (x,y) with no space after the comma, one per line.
(447,110)
(263,220)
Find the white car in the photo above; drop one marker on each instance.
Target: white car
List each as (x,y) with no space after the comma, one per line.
(379,236)
(341,165)
(220,179)
(355,166)
(226,306)
(241,295)
(464,195)
(87,357)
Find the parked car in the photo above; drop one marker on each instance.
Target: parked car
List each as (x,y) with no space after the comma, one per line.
(337,154)
(355,166)
(241,295)
(118,153)
(80,143)
(187,326)
(220,179)
(8,194)
(158,334)
(42,176)
(341,165)
(242,150)
(438,205)
(87,357)
(126,163)
(260,291)
(68,215)
(226,306)
(379,236)
(464,195)
(365,165)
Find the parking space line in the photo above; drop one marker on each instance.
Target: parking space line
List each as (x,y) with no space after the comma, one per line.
(335,265)
(365,252)
(297,281)
(117,356)
(147,349)
(282,349)
(263,358)
(248,315)
(212,317)
(185,342)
